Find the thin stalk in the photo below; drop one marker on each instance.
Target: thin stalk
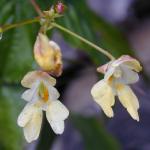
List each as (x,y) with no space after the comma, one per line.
(106,53)
(37,19)
(8,27)
(36,7)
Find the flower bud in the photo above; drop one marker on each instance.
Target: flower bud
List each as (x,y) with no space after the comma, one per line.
(48,55)
(60,7)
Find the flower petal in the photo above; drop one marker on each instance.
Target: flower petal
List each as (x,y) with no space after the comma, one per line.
(31,94)
(128,100)
(26,115)
(132,63)
(57,69)
(103,95)
(104,68)
(109,73)
(128,76)
(33,127)
(27,95)
(48,55)
(53,93)
(54,45)
(31,77)
(56,111)
(57,126)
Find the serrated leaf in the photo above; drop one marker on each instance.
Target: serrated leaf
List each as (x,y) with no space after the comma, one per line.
(17,44)
(20,58)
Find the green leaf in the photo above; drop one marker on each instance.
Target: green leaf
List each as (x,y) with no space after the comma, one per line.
(17,44)
(20,58)
(73,22)
(83,21)
(94,134)
(10,104)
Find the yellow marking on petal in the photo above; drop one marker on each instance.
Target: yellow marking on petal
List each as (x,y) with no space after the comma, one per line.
(119,86)
(43,92)
(110,80)
(45,95)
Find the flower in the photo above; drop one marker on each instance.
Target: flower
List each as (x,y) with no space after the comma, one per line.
(118,74)
(41,96)
(48,55)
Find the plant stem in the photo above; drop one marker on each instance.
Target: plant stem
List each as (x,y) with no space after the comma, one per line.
(37,19)
(106,53)
(7,27)
(36,7)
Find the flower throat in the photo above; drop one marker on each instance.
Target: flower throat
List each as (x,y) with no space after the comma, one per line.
(43,92)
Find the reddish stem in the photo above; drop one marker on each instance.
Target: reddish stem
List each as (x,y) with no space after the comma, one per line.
(36,7)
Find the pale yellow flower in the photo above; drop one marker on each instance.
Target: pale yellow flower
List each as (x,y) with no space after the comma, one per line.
(41,96)
(48,55)
(117,75)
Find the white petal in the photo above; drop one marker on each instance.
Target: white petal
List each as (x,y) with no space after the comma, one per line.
(26,115)
(109,72)
(27,95)
(132,63)
(53,93)
(33,127)
(31,77)
(103,95)
(128,76)
(135,65)
(31,94)
(56,111)
(128,100)
(54,45)
(57,126)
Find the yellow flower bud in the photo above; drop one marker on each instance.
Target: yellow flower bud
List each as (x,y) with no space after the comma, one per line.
(48,55)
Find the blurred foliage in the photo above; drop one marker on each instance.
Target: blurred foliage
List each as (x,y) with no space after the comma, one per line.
(16,45)
(94,135)
(10,104)
(16,59)
(80,19)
